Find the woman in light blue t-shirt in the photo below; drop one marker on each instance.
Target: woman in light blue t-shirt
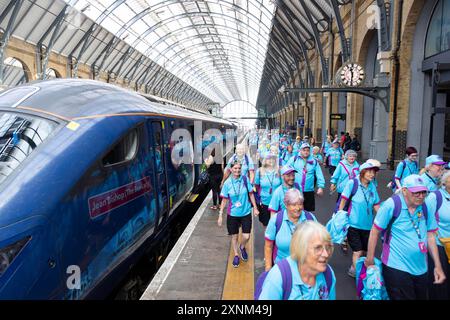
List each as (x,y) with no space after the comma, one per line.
(312,277)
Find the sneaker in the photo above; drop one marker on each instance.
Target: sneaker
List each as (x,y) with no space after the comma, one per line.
(244,254)
(236,261)
(351,272)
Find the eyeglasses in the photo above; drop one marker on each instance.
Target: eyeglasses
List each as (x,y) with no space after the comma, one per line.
(318,250)
(419,194)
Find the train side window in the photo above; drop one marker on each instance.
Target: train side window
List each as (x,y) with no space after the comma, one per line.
(20,135)
(125,150)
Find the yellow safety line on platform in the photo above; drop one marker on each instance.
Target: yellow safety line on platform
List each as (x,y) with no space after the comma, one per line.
(239,282)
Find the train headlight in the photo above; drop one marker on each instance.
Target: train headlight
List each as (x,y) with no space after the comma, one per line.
(9,253)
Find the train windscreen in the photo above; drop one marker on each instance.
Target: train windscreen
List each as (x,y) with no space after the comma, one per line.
(19,136)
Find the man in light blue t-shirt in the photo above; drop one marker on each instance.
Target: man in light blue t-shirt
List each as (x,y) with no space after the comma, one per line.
(407,239)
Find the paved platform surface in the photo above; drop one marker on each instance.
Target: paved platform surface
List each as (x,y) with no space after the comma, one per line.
(199,266)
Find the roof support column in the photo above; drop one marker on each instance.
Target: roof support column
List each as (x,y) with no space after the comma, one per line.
(7,33)
(42,59)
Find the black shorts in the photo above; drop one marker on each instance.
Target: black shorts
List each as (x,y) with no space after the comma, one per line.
(264,214)
(331,169)
(233,224)
(358,239)
(310,201)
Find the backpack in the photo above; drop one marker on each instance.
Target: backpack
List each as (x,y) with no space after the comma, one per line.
(286,276)
(393,184)
(397,210)
(279,222)
(439,201)
(352,193)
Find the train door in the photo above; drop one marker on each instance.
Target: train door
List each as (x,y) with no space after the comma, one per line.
(159,163)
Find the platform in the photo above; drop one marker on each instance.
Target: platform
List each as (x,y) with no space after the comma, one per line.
(199,266)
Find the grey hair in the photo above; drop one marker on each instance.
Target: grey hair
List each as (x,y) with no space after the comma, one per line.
(302,237)
(316,148)
(350,152)
(445,177)
(293,196)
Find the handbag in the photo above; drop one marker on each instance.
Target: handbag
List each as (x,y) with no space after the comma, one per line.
(203,178)
(446,243)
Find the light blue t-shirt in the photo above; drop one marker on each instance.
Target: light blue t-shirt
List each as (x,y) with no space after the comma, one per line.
(443,215)
(237,194)
(335,155)
(326,146)
(305,176)
(246,164)
(343,173)
(296,146)
(285,156)
(408,169)
(268,183)
(360,209)
(273,286)
(431,183)
(277,202)
(263,151)
(283,237)
(318,157)
(403,252)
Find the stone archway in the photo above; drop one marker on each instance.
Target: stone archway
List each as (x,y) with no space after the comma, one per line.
(15,72)
(372,121)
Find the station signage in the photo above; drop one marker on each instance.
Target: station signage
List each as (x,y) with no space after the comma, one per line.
(338,116)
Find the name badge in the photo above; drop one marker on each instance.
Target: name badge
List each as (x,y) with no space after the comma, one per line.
(238,204)
(423,247)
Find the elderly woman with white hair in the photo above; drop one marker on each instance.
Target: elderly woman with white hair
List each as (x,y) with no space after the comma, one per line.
(316,155)
(306,271)
(281,227)
(346,170)
(438,202)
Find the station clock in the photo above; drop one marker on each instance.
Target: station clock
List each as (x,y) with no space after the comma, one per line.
(351,75)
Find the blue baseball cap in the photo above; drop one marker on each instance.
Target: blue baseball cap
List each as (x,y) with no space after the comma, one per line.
(435,159)
(414,183)
(368,165)
(305,145)
(287,170)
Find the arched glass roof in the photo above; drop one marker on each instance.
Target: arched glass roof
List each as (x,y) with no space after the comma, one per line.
(217,46)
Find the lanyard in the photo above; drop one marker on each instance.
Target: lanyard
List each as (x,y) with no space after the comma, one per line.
(271,182)
(238,193)
(432,180)
(365,198)
(416,227)
(409,168)
(292,226)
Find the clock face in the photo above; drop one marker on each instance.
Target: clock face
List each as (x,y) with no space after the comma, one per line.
(352,75)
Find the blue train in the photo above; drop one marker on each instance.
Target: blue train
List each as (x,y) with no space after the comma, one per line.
(87,182)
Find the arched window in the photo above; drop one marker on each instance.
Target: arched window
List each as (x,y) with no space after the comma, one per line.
(51,74)
(14,72)
(438,33)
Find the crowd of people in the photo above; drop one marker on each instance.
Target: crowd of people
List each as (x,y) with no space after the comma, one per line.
(280,187)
